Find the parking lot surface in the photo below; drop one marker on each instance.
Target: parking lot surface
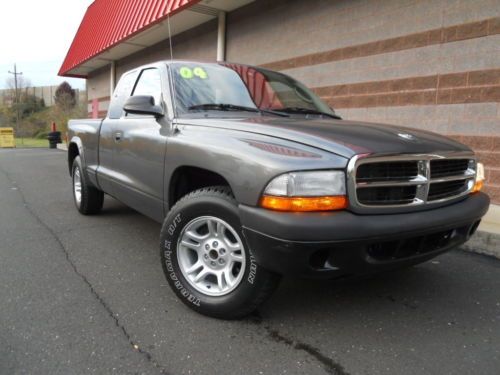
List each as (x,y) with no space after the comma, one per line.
(85,295)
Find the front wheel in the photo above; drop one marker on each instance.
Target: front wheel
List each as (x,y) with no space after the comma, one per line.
(206,260)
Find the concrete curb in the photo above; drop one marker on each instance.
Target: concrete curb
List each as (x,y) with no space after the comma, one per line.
(487,239)
(486,243)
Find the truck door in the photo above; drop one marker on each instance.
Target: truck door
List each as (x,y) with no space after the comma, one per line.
(106,175)
(139,145)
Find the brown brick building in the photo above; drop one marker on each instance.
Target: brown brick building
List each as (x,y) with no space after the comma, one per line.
(427,64)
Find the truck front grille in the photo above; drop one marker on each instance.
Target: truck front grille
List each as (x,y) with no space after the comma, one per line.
(387,171)
(387,194)
(445,168)
(440,190)
(409,180)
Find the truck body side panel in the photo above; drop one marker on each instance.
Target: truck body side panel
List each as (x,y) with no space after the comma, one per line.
(105,169)
(85,133)
(138,163)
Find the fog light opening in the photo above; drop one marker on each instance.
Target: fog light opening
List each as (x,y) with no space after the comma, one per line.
(319,259)
(473,228)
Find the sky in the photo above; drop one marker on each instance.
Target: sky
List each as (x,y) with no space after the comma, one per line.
(36,34)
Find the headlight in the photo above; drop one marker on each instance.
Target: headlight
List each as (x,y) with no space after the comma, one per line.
(478,183)
(306,191)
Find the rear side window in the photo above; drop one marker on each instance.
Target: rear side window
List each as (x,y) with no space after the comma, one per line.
(122,92)
(149,83)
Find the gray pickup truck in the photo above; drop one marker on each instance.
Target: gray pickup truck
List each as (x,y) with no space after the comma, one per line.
(254,177)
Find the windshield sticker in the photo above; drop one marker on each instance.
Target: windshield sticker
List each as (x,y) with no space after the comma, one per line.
(200,72)
(186,73)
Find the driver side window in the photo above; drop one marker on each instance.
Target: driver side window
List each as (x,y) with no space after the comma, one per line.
(149,83)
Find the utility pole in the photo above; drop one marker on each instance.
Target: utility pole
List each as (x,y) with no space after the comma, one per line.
(16,73)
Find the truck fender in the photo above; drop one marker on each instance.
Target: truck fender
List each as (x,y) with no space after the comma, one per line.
(71,156)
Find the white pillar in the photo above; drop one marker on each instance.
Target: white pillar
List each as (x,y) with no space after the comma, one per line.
(221,37)
(112,78)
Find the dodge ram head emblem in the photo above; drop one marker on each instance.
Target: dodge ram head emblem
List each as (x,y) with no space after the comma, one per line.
(408,137)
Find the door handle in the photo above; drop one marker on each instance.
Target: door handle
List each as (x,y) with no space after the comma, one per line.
(118,136)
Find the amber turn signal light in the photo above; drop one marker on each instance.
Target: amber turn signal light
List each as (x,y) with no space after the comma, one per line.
(304,204)
(477,186)
(479,182)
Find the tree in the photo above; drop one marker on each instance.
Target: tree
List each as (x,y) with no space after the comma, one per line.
(26,103)
(65,97)
(22,83)
(15,84)
(5,116)
(30,104)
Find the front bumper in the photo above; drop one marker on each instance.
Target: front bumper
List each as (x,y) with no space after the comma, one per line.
(342,243)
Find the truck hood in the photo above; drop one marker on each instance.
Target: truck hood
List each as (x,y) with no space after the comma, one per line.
(345,138)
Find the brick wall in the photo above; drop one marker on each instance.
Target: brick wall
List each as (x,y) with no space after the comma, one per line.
(428,64)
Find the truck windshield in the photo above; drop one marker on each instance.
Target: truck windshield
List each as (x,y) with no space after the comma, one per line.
(202,87)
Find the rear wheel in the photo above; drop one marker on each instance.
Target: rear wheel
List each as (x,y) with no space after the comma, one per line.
(206,260)
(88,199)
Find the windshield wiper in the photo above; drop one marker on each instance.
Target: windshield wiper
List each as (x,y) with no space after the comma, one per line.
(222,107)
(232,107)
(308,111)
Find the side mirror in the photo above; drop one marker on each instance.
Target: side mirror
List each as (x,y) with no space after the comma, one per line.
(143,105)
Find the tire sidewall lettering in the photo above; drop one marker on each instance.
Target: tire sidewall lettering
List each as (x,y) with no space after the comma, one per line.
(175,223)
(252,280)
(172,228)
(252,270)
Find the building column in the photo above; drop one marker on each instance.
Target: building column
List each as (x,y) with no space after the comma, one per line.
(221,37)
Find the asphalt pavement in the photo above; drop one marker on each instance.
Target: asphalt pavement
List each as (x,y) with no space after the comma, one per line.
(86,295)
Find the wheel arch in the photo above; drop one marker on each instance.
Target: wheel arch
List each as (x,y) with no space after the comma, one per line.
(75,149)
(186,179)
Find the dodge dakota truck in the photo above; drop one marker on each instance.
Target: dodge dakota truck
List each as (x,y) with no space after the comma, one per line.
(254,177)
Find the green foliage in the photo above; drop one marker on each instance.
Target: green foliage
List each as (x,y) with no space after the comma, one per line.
(6,116)
(29,104)
(41,134)
(36,118)
(31,142)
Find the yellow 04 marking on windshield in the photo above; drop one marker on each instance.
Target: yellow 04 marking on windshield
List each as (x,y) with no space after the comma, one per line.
(200,72)
(188,73)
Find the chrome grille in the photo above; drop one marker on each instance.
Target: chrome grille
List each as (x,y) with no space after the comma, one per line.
(446,167)
(409,180)
(387,194)
(440,190)
(387,171)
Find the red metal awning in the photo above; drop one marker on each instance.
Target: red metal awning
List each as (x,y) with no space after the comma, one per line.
(113,29)
(109,22)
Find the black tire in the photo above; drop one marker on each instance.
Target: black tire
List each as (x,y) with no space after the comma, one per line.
(92,198)
(256,285)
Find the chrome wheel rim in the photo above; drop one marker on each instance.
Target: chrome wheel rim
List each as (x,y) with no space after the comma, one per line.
(211,256)
(77,186)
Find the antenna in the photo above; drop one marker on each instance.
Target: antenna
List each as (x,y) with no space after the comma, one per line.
(170,68)
(170,37)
